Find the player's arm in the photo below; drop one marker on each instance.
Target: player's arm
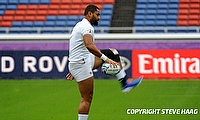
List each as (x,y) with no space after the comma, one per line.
(94,50)
(91,46)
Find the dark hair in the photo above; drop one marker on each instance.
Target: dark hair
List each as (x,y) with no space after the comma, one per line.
(92,8)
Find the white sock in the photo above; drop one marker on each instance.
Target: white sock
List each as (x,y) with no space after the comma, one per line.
(121,74)
(82,116)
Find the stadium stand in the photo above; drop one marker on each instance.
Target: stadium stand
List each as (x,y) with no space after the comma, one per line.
(123,15)
(45,14)
(181,15)
(189,12)
(59,16)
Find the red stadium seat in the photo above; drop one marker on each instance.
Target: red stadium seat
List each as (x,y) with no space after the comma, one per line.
(75,6)
(18,18)
(29,18)
(98,1)
(194,6)
(20,12)
(1,18)
(42,12)
(183,11)
(194,1)
(32,7)
(6,24)
(87,1)
(63,12)
(76,1)
(184,1)
(22,7)
(56,1)
(193,23)
(64,7)
(40,18)
(31,12)
(8,18)
(184,6)
(52,12)
(109,1)
(43,7)
(194,11)
(84,6)
(54,7)
(100,6)
(194,17)
(75,12)
(66,2)
(182,22)
(183,17)
(10,12)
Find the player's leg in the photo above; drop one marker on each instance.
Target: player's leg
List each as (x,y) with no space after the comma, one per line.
(86,91)
(82,72)
(114,55)
(126,82)
(110,54)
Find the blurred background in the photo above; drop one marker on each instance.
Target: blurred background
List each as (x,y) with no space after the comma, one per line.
(159,39)
(156,38)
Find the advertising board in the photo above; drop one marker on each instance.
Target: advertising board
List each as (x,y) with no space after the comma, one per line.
(45,64)
(166,63)
(33,64)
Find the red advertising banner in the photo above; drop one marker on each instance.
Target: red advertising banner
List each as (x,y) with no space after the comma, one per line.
(166,63)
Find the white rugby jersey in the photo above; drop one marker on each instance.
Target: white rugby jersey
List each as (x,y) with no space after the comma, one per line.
(77,49)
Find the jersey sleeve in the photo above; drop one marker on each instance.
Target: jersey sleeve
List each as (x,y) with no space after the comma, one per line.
(87,30)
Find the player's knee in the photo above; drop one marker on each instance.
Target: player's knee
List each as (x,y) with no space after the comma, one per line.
(114,51)
(112,54)
(84,107)
(86,102)
(90,97)
(87,98)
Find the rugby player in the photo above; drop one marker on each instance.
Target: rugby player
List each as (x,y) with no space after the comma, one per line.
(84,56)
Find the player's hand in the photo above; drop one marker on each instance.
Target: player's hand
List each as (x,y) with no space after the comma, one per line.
(111,62)
(69,76)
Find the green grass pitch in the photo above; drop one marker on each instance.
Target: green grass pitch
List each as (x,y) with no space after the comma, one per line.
(59,100)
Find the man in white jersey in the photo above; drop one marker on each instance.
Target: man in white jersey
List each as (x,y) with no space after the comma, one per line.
(84,56)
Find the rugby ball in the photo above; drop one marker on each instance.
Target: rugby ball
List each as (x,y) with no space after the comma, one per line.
(108,69)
